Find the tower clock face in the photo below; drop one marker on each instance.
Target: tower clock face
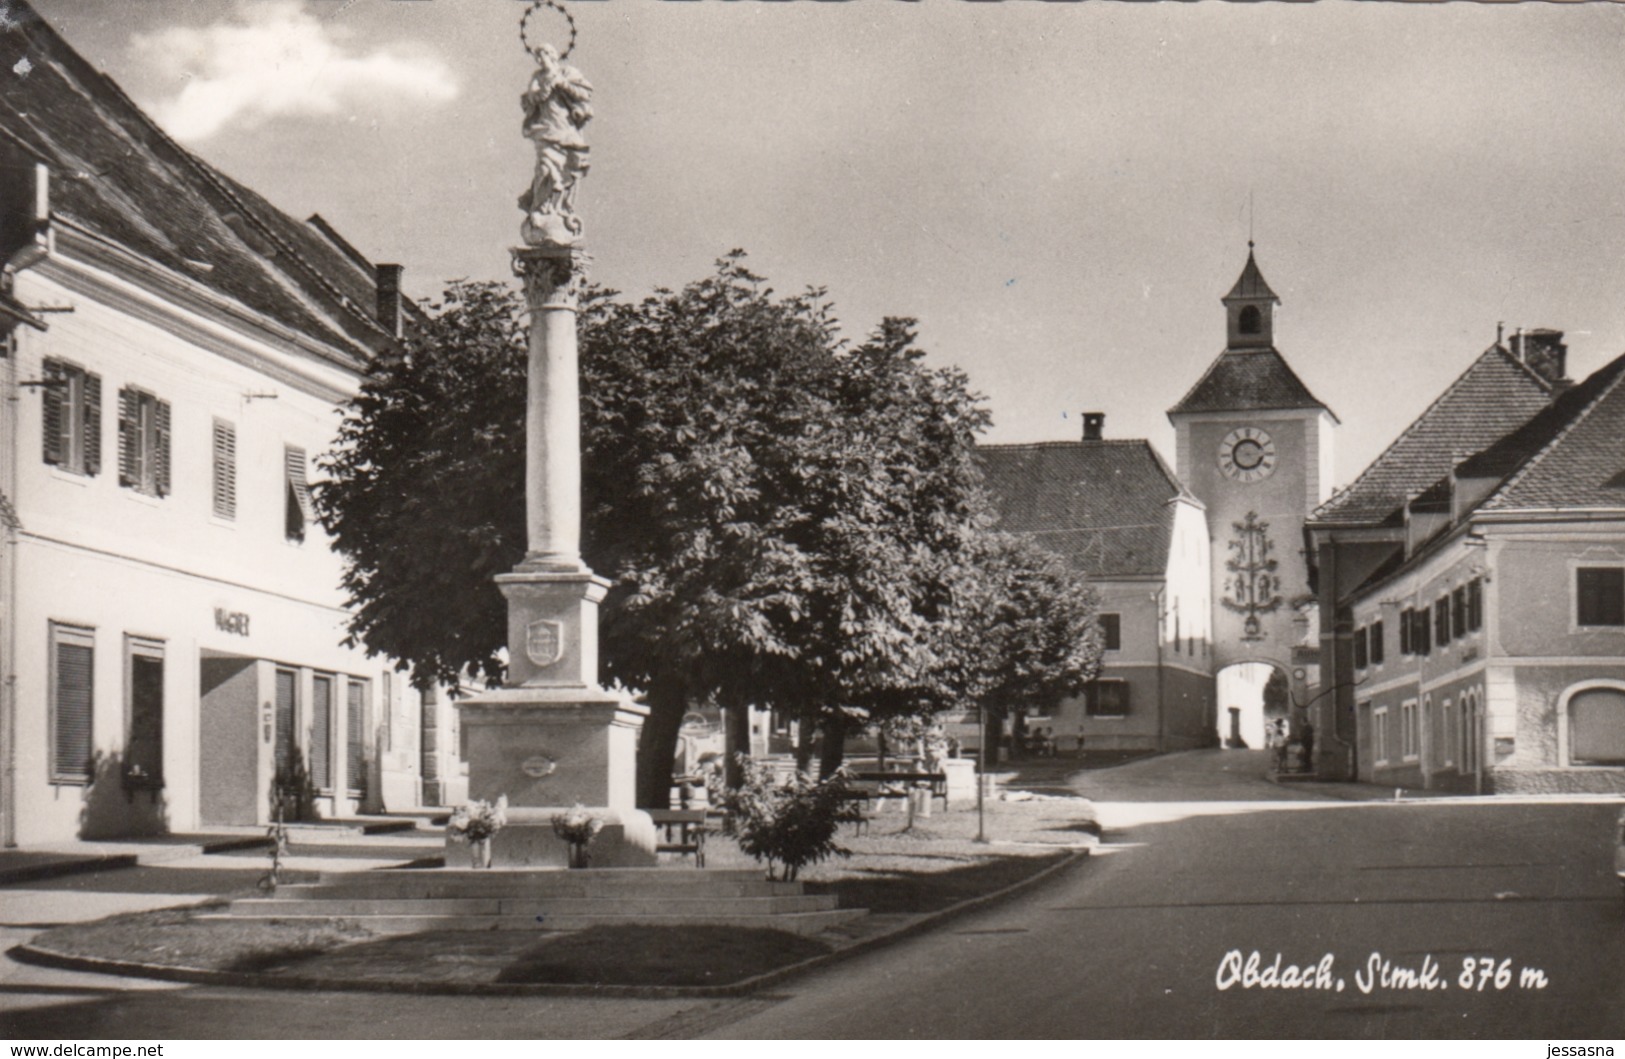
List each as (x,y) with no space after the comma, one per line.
(1247,454)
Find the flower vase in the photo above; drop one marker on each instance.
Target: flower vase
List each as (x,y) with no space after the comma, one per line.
(579,857)
(479,853)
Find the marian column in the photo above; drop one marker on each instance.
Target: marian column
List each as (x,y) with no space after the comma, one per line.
(551,737)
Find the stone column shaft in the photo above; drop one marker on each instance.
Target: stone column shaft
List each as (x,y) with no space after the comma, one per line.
(553,415)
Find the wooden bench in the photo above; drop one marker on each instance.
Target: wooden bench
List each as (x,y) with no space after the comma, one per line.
(682,832)
(938,782)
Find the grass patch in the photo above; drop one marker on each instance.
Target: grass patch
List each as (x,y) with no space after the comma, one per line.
(174,937)
(637,955)
(912,885)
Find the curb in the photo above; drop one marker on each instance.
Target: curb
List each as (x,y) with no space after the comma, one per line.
(82,863)
(44,957)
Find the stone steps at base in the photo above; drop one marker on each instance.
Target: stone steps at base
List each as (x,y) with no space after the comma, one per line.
(790,922)
(281,906)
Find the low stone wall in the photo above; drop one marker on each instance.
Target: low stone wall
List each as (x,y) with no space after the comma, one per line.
(1556,781)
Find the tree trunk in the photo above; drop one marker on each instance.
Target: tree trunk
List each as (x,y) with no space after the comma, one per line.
(834,749)
(736,742)
(991,729)
(804,745)
(657,745)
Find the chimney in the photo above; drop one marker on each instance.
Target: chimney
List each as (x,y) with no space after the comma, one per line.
(1542,351)
(1094,424)
(42,194)
(389,298)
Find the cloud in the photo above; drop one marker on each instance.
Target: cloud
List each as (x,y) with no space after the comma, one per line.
(276,59)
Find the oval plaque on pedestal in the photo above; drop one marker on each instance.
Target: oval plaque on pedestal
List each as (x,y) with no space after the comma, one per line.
(544,642)
(539,766)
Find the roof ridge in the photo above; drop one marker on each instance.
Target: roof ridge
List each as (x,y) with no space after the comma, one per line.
(1545,383)
(1057,443)
(1455,385)
(1580,415)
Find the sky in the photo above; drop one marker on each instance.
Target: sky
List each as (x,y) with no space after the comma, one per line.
(1059,193)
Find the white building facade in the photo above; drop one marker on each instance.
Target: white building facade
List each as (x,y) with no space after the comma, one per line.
(172,638)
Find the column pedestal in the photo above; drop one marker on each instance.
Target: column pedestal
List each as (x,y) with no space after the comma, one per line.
(552,738)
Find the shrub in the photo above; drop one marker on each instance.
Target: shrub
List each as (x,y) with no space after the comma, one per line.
(789,823)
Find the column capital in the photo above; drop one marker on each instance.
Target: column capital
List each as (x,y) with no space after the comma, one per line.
(553,276)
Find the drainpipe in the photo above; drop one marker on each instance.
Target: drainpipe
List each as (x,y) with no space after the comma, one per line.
(1162,712)
(8,612)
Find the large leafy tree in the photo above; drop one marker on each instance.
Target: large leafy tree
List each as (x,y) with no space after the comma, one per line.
(773,511)
(1027,631)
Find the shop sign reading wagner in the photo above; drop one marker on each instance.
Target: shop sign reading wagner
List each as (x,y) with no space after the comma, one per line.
(544,642)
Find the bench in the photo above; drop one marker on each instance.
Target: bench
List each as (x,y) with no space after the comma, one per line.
(938,782)
(682,831)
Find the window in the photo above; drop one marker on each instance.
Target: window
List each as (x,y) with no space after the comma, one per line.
(1111,629)
(1475,604)
(225,470)
(298,512)
(321,733)
(1458,610)
(1441,620)
(73,418)
(1447,734)
(1407,622)
(355,718)
(143,442)
(1360,657)
(1106,698)
(73,696)
(1600,595)
(1597,727)
(1419,635)
(1251,321)
(1379,736)
(144,713)
(287,710)
(1407,730)
(1376,643)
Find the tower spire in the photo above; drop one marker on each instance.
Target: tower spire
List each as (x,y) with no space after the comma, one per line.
(1250,308)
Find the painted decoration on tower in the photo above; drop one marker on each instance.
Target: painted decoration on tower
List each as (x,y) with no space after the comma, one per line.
(1250,589)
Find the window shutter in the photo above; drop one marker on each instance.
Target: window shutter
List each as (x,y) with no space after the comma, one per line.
(129,441)
(321,733)
(225,470)
(356,730)
(299,514)
(75,687)
(160,476)
(93,424)
(55,405)
(1377,646)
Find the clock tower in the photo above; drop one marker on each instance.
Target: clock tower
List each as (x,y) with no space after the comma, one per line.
(1255,446)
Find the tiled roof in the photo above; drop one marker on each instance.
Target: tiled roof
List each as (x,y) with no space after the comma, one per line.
(1242,381)
(1102,505)
(1250,284)
(115,173)
(1496,394)
(1571,455)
